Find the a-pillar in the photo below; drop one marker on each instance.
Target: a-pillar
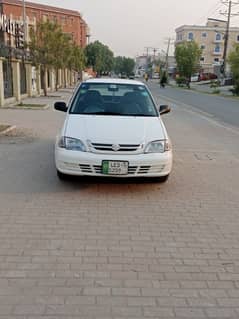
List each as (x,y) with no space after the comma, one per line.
(29,78)
(1,84)
(16,80)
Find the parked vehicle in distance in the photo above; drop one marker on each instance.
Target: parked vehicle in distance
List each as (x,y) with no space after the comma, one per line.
(207,76)
(155,75)
(195,77)
(113,128)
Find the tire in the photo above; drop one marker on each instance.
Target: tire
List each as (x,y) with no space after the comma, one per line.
(62,176)
(162,179)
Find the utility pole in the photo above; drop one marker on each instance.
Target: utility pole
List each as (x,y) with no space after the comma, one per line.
(154,54)
(167,53)
(228,14)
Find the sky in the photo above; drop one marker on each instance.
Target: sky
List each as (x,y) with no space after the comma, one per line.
(129,26)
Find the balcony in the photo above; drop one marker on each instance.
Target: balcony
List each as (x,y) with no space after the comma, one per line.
(218,41)
(218,53)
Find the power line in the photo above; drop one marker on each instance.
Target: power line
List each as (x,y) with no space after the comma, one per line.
(228,13)
(212,10)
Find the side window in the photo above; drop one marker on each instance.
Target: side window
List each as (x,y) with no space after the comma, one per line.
(190,36)
(217,49)
(218,37)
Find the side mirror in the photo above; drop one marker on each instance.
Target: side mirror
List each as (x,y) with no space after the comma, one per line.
(60,106)
(163,109)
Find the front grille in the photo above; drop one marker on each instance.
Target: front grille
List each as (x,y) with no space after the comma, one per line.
(86,168)
(143,169)
(132,170)
(111,147)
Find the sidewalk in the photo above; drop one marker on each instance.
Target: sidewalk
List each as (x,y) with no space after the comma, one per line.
(26,119)
(62,94)
(51,98)
(205,87)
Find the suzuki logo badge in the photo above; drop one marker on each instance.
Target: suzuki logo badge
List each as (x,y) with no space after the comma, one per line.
(115,147)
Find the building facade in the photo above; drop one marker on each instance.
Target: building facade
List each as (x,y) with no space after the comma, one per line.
(71,21)
(18,78)
(210,39)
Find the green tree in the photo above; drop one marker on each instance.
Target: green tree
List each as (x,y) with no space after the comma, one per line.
(124,65)
(100,57)
(61,49)
(76,60)
(42,45)
(52,49)
(118,65)
(187,56)
(233,60)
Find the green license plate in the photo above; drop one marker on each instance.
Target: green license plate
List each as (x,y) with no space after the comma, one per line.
(115,167)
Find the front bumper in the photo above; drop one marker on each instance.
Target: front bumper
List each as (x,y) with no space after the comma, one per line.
(90,164)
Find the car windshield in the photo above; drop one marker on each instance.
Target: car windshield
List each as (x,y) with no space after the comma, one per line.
(113,99)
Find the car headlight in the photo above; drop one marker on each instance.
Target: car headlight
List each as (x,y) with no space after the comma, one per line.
(71,144)
(158,146)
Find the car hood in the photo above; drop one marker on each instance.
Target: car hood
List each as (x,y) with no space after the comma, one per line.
(114,129)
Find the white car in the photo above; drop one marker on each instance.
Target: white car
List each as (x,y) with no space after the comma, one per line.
(113,128)
(195,77)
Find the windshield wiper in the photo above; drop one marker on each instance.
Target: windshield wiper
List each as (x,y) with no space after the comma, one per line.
(135,114)
(102,113)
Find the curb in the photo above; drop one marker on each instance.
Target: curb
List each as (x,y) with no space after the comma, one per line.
(7,130)
(15,107)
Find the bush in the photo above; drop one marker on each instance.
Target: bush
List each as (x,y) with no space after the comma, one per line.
(216,91)
(236,86)
(214,84)
(181,81)
(235,90)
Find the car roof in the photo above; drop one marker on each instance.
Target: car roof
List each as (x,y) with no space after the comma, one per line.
(114,81)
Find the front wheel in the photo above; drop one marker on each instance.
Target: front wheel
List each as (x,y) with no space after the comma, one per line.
(62,176)
(162,179)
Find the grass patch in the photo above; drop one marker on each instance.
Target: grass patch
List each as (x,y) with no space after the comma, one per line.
(31,105)
(4,127)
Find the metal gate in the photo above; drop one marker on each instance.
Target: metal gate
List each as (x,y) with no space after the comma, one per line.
(23,78)
(7,79)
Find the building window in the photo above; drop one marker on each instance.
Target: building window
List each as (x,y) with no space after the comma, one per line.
(180,37)
(63,20)
(217,49)
(44,17)
(190,36)
(204,34)
(218,37)
(203,47)
(34,14)
(216,60)
(71,20)
(238,38)
(202,59)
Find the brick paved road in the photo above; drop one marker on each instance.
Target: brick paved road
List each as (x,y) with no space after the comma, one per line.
(106,249)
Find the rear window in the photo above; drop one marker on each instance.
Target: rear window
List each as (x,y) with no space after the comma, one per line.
(113,99)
